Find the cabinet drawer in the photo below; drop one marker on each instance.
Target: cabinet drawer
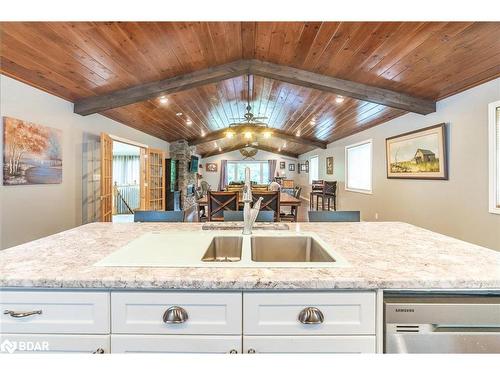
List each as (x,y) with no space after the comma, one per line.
(207,313)
(309,344)
(175,344)
(26,343)
(344,313)
(58,312)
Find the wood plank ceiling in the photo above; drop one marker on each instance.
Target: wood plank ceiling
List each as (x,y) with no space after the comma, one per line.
(430,60)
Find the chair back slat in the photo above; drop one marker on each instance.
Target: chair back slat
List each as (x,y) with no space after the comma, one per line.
(159,216)
(270,202)
(221,201)
(334,216)
(263,216)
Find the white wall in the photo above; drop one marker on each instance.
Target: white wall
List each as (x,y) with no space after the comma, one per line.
(30,212)
(457,207)
(213,178)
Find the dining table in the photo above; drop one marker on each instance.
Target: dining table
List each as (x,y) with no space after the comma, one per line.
(286,200)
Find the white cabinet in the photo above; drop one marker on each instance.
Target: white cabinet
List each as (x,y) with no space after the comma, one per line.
(36,343)
(308,344)
(344,313)
(206,313)
(175,344)
(54,312)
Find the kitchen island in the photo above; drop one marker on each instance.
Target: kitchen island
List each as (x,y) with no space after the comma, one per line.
(87,306)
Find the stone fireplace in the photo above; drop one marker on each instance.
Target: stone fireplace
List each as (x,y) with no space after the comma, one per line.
(182,152)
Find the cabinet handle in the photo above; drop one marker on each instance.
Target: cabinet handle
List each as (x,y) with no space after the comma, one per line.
(98,351)
(311,315)
(233,351)
(22,314)
(251,351)
(175,315)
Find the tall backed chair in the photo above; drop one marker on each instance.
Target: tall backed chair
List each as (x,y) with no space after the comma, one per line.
(205,188)
(334,216)
(270,202)
(159,216)
(292,215)
(220,201)
(263,216)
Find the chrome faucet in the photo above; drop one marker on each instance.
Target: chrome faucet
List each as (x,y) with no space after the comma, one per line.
(249,214)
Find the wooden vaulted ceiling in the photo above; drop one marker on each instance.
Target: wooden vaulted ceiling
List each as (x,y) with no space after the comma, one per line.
(428,60)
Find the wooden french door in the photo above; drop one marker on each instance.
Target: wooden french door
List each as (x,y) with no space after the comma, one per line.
(155,180)
(106,178)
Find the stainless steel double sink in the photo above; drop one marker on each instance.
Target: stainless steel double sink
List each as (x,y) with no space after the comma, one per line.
(304,249)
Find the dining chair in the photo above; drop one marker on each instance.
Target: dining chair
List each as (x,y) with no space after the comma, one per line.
(292,215)
(262,216)
(270,202)
(159,216)
(334,216)
(220,201)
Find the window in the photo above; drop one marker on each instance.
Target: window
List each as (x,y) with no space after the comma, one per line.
(358,172)
(494,159)
(259,171)
(313,169)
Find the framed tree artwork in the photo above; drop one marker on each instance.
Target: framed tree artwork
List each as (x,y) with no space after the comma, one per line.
(329,165)
(291,167)
(32,153)
(282,165)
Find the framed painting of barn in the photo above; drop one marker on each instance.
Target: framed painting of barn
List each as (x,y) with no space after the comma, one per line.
(32,153)
(420,154)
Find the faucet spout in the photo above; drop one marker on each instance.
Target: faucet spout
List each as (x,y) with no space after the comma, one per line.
(249,214)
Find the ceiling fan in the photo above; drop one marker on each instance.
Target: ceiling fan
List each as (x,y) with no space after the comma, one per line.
(249,118)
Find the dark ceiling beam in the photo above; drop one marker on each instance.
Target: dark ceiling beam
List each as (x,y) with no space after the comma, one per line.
(146,91)
(283,73)
(243,145)
(342,87)
(221,133)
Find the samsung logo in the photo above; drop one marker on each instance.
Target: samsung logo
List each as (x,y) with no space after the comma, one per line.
(405,310)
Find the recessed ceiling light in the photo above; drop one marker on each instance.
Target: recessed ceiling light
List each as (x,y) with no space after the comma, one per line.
(339,99)
(220,149)
(203,133)
(178,114)
(163,100)
(298,133)
(279,149)
(284,145)
(216,145)
(189,122)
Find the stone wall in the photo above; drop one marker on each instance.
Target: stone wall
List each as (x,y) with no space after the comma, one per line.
(182,152)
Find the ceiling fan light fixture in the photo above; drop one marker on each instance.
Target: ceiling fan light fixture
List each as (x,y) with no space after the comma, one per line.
(229,134)
(248,135)
(163,99)
(267,134)
(339,99)
(189,122)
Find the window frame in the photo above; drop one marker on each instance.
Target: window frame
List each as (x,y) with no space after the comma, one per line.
(310,168)
(354,190)
(494,183)
(263,164)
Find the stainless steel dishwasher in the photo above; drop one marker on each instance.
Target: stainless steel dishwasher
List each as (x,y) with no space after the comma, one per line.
(442,323)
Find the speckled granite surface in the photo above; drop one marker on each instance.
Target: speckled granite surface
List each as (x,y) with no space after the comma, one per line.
(381,255)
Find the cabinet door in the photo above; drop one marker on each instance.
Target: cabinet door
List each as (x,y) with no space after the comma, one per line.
(309,344)
(26,343)
(175,344)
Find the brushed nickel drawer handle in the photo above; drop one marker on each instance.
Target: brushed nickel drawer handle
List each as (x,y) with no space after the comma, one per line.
(251,351)
(98,351)
(311,315)
(233,351)
(175,315)
(22,314)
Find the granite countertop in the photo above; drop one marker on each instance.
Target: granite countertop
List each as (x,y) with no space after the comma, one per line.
(388,255)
